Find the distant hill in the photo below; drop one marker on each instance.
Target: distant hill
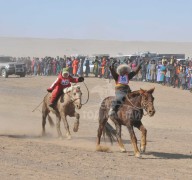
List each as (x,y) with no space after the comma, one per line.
(36,47)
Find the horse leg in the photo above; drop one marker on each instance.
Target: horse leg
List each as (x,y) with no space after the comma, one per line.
(44,116)
(99,133)
(119,140)
(133,140)
(66,125)
(76,124)
(58,120)
(143,130)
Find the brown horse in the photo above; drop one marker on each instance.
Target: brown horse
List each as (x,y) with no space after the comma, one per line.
(129,115)
(65,106)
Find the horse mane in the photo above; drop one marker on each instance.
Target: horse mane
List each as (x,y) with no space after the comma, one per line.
(136,93)
(69,89)
(133,94)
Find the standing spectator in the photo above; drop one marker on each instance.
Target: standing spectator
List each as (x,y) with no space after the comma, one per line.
(153,71)
(103,63)
(49,67)
(148,75)
(96,67)
(163,72)
(69,65)
(168,75)
(171,69)
(75,66)
(35,68)
(163,60)
(87,67)
(45,69)
(32,66)
(58,67)
(107,71)
(144,71)
(190,80)
(182,77)
(80,68)
(38,67)
(172,60)
(54,66)
(159,71)
(176,76)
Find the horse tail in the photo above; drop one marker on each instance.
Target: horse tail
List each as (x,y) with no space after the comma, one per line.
(103,117)
(50,121)
(110,132)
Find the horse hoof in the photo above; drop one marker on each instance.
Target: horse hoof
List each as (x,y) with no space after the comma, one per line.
(123,150)
(69,137)
(138,155)
(143,149)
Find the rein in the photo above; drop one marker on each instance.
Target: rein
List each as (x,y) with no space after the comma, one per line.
(73,100)
(138,108)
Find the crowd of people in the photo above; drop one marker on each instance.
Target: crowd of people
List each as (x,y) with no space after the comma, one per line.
(168,72)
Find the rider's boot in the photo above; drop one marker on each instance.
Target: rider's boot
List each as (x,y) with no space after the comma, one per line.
(113,113)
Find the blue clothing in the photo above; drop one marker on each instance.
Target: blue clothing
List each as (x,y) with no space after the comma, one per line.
(163,71)
(158,72)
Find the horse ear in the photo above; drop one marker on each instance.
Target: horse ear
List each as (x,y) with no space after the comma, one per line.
(151,90)
(141,91)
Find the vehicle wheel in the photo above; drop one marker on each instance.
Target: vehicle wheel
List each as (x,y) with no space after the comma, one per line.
(4,73)
(22,75)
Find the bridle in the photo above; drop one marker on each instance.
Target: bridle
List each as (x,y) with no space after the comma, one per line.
(143,105)
(72,100)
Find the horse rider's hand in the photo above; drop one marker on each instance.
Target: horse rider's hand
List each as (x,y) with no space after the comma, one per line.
(80,79)
(49,90)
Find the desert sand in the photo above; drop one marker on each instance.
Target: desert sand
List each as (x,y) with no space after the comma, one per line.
(24,154)
(36,47)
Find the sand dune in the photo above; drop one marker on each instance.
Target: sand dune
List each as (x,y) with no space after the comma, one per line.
(58,47)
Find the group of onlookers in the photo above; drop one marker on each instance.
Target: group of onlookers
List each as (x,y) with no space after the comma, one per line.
(53,66)
(169,72)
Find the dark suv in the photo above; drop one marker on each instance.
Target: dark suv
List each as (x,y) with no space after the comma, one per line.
(8,67)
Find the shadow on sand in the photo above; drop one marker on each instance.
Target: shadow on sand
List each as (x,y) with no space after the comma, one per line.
(162,155)
(23,136)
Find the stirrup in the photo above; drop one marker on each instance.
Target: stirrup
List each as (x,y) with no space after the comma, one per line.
(52,105)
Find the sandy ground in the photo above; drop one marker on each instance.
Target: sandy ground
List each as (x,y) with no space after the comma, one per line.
(24,154)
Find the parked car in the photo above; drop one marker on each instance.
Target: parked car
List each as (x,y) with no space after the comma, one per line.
(8,67)
(182,61)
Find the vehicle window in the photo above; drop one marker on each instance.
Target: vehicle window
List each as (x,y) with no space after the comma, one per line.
(5,59)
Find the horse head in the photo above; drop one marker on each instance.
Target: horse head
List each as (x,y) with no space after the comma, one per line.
(147,100)
(75,95)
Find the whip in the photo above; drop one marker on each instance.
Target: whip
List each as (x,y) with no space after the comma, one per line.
(39,104)
(87,94)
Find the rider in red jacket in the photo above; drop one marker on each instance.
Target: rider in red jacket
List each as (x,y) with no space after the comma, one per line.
(64,80)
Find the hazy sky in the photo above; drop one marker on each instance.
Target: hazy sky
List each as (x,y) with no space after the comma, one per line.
(127,20)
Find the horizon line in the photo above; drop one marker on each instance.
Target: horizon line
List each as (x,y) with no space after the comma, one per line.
(80,39)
